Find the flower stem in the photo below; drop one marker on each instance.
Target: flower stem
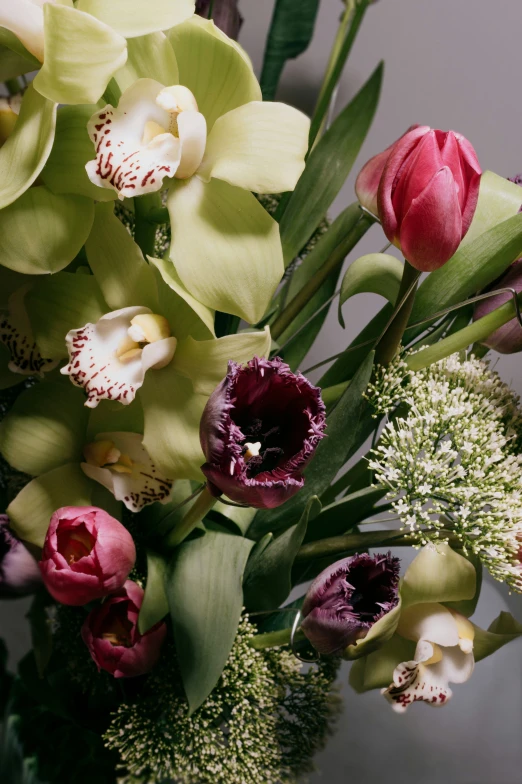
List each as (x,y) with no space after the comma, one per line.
(145,227)
(270,639)
(203,504)
(391,339)
(337,545)
(334,261)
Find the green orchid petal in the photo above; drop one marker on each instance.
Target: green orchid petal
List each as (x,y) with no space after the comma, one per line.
(31,510)
(10,281)
(499,199)
(133,18)
(81,56)
(7,379)
(438,574)
(44,429)
(376,670)
(213,67)
(503,629)
(185,314)
(258,146)
(110,416)
(11,43)
(59,303)
(225,247)
(124,277)
(205,362)
(150,56)
(13,64)
(59,226)
(64,171)
(172,412)
(25,152)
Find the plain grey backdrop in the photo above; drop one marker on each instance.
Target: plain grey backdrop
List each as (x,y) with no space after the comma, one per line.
(449,64)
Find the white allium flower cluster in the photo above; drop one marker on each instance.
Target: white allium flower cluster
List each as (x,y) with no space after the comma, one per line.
(451,460)
(262,723)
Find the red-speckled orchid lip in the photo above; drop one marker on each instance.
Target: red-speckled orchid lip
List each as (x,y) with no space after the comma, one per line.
(258,431)
(109,360)
(155,132)
(16,334)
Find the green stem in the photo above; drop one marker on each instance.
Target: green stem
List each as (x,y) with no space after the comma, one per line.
(145,227)
(13,86)
(203,504)
(160,215)
(270,639)
(334,261)
(474,333)
(336,545)
(391,339)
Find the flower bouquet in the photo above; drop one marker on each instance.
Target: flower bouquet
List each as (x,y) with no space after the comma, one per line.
(187,508)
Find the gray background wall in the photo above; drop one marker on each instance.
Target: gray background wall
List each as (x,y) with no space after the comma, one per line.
(450,64)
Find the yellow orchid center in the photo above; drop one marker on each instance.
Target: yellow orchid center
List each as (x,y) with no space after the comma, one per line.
(465,631)
(104,454)
(145,328)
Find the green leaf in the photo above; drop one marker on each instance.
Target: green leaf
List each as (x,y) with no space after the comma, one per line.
(59,303)
(25,152)
(205,598)
(133,18)
(327,168)
(438,574)
(240,517)
(149,56)
(268,582)
(123,275)
(225,247)
(499,199)
(375,273)
(330,456)
(185,314)
(81,56)
(59,226)
(64,171)
(503,629)
(339,517)
(45,428)
(155,605)
(289,36)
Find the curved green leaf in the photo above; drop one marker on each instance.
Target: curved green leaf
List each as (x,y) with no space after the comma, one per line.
(205,598)
(59,226)
(149,56)
(25,152)
(375,273)
(155,605)
(499,199)
(135,18)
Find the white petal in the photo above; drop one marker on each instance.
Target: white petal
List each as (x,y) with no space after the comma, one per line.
(192,128)
(123,162)
(157,355)
(455,666)
(17,335)
(431,622)
(143,486)
(24,18)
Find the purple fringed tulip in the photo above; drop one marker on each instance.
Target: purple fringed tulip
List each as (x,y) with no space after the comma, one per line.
(347,598)
(19,573)
(507,339)
(258,431)
(225,15)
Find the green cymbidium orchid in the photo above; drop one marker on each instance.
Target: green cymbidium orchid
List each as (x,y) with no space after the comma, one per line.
(216,140)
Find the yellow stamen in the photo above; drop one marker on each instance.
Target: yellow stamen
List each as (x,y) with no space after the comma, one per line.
(100,453)
(132,354)
(152,326)
(126,345)
(436,657)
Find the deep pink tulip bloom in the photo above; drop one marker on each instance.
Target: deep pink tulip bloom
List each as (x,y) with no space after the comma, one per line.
(258,431)
(87,554)
(347,598)
(507,339)
(111,634)
(19,573)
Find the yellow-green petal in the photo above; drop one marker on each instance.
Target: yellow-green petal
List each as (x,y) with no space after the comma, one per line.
(131,18)
(25,152)
(213,67)
(185,314)
(43,232)
(149,56)
(258,146)
(225,247)
(81,56)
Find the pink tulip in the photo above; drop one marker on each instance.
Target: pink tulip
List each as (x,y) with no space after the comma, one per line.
(111,634)
(427,193)
(87,554)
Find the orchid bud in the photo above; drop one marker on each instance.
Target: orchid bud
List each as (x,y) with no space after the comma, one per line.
(19,573)
(258,431)
(111,634)
(224,13)
(347,598)
(507,339)
(87,554)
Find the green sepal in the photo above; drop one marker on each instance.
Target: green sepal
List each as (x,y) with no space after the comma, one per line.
(380,633)
(503,629)
(375,671)
(438,574)
(185,314)
(149,56)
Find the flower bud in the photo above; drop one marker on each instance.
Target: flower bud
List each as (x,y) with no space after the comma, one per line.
(225,14)
(258,431)
(507,339)
(347,598)
(19,573)
(87,554)
(111,634)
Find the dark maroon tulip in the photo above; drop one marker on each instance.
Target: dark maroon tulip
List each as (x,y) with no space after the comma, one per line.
(87,554)
(258,431)
(344,602)
(19,573)
(507,339)
(225,15)
(111,634)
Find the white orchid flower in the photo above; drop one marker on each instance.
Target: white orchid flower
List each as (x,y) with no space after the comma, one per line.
(444,655)
(17,335)
(120,462)
(109,359)
(25,19)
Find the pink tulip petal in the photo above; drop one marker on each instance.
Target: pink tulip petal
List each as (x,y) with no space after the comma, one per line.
(422,164)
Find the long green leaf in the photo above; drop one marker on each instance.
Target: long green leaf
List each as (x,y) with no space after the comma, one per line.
(205,597)
(289,36)
(328,167)
(342,428)
(341,516)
